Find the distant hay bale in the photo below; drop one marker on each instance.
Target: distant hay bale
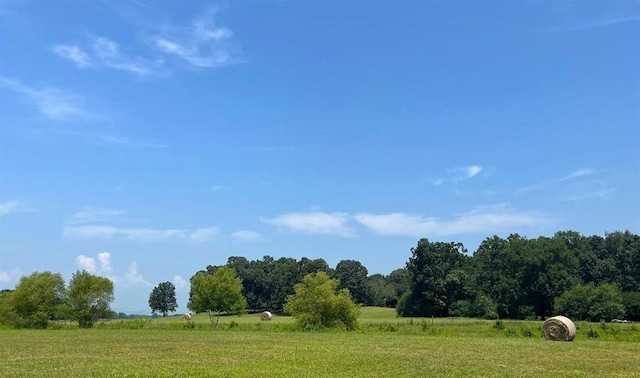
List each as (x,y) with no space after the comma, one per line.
(186,317)
(559,328)
(265,316)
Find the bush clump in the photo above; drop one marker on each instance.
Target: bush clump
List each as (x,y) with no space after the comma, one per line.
(317,303)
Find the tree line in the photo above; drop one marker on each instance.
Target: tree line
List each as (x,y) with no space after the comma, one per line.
(513,277)
(584,277)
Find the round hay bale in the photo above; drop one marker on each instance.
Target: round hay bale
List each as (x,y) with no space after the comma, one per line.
(559,328)
(186,317)
(265,316)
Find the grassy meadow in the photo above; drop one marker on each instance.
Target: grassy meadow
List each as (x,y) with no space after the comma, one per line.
(383,345)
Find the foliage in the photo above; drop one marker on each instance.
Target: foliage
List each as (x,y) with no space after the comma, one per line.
(7,315)
(631,302)
(37,299)
(163,298)
(352,275)
(438,278)
(88,298)
(590,302)
(218,292)
(317,303)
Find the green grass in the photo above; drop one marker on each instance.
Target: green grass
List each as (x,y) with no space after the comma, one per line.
(384,345)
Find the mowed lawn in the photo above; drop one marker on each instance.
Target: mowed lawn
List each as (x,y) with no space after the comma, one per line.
(272,353)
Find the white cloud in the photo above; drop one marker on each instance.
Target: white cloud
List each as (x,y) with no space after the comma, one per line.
(134,277)
(101,265)
(9,207)
(586,25)
(11,276)
(247,236)
(479,220)
(90,214)
(313,223)
(127,142)
(203,44)
(86,263)
(74,54)
(459,174)
(109,54)
(577,173)
(105,261)
(604,194)
(471,171)
(179,282)
(53,103)
(200,235)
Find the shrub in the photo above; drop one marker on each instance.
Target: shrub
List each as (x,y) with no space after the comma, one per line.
(592,334)
(631,302)
(317,304)
(590,302)
(498,324)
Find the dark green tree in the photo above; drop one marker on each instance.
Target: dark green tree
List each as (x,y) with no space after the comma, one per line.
(437,272)
(352,275)
(89,298)
(37,299)
(163,298)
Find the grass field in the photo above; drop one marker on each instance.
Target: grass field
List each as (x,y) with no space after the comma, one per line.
(384,345)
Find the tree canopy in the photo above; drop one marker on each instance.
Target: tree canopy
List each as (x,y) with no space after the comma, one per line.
(163,298)
(89,298)
(217,292)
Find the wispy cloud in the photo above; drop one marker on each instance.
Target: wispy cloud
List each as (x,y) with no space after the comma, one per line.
(201,44)
(247,236)
(9,207)
(134,277)
(459,174)
(90,214)
(74,54)
(480,220)
(594,24)
(600,194)
(53,103)
(128,142)
(200,235)
(577,173)
(313,223)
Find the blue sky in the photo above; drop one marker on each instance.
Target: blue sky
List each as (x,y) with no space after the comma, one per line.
(144,140)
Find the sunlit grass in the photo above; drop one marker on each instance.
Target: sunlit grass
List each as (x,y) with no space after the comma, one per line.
(384,345)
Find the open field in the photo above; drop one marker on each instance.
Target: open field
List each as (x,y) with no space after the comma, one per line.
(384,345)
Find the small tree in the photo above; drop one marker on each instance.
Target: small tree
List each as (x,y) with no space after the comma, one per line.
(37,298)
(163,298)
(217,293)
(89,298)
(316,303)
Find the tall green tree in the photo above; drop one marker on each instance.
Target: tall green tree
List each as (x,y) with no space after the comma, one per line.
(37,299)
(163,298)
(220,292)
(7,315)
(316,303)
(352,275)
(89,298)
(438,278)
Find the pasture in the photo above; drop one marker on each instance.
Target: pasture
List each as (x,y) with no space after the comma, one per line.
(383,345)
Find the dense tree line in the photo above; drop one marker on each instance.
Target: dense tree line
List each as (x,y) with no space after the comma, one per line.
(267,283)
(513,277)
(522,278)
